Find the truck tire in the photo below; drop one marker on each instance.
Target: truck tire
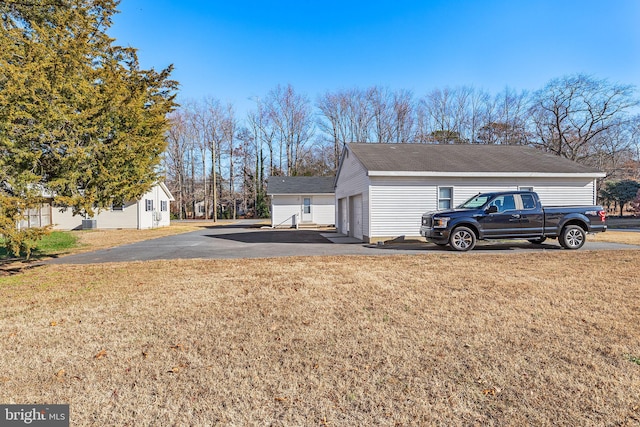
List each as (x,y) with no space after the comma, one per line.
(462,239)
(572,237)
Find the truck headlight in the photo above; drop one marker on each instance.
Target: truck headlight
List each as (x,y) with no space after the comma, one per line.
(440,222)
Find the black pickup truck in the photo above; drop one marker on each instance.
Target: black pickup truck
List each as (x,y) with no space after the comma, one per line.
(511,215)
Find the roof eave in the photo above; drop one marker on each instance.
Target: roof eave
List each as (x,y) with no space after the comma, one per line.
(166,190)
(488,174)
(301,193)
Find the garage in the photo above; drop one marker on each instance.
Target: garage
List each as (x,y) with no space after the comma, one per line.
(302,201)
(389,186)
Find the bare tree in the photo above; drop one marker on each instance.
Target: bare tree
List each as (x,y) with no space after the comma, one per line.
(215,136)
(442,116)
(200,122)
(381,107)
(392,115)
(175,155)
(613,151)
(404,116)
(262,133)
(329,122)
(346,116)
(290,114)
(229,129)
(506,119)
(570,112)
(250,172)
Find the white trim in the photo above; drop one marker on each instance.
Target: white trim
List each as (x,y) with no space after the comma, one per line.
(489,174)
(450,199)
(300,194)
(166,191)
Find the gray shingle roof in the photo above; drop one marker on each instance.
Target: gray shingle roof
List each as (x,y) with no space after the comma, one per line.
(462,158)
(300,185)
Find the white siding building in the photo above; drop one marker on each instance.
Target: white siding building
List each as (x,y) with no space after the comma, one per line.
(150,211)
(301,200)
(382,190)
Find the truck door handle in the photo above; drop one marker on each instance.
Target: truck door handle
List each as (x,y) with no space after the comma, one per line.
(515,216)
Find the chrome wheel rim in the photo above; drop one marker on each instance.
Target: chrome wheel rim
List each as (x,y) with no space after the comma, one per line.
(574,238)
(462,239)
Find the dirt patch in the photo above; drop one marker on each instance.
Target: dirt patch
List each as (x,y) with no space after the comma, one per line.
(528,339)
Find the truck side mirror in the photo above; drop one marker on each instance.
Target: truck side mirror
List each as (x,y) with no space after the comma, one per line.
(491,209)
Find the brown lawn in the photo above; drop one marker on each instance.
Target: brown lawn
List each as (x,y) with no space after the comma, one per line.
(613,236)
(436,339)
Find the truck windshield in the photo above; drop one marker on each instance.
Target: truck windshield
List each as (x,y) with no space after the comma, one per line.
(475,202)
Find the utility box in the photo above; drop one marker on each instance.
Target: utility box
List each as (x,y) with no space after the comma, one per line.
(89,224)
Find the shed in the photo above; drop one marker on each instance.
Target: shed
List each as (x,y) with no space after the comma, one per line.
(301,200)
(382,190)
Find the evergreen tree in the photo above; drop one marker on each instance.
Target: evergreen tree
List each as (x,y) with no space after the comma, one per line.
(79,119)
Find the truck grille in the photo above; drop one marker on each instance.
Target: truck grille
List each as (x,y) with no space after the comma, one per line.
(426,221)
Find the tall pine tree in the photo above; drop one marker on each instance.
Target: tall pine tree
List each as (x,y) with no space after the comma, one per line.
(79,119)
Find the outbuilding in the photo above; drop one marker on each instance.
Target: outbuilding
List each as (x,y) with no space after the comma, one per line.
(151,210)
(382,190)
(301,201)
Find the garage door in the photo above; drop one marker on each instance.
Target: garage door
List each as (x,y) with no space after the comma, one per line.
(355,223)
(343,219)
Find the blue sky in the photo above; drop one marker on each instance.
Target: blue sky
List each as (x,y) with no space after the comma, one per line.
(234,50)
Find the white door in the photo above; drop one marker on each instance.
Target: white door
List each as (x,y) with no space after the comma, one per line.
(306,209)
(355,223)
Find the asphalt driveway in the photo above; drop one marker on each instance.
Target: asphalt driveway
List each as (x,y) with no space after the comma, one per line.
(243,240)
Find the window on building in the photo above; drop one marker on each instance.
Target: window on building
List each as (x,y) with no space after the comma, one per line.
(525,188)
(148,205)
(163,205)
(445,197)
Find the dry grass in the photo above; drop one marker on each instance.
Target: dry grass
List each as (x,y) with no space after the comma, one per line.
(627,237)
(435,339)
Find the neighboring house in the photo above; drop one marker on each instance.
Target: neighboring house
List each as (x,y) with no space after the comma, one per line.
(199,210)
(382,190)
(301,200)
(150,211)
(223,207)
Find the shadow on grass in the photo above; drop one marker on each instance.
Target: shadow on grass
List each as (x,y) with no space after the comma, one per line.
(10,266)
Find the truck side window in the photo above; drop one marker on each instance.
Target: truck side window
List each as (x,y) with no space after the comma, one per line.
(509,203)
(527,201)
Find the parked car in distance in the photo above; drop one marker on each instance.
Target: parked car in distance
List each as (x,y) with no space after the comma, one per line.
(511,215)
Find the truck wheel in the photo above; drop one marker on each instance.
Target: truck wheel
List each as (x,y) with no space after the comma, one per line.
(538,241)
(572,237)
(462,239)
